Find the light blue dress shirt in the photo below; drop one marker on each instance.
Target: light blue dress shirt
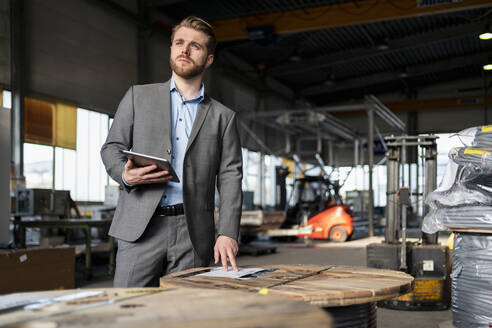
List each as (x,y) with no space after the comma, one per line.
(183,113)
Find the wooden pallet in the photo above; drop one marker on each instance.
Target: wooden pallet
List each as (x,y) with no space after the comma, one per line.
(179,308)
(325,286)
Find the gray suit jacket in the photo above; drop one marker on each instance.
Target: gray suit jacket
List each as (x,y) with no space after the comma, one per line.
(213,155)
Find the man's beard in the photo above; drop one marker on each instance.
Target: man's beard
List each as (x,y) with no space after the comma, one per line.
(187,72)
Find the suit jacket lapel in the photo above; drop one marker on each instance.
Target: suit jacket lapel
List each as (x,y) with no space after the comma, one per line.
(203,109)
(163,104)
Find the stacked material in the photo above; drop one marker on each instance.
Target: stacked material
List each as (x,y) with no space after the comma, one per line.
(463,202)
(472,280)
(464,198)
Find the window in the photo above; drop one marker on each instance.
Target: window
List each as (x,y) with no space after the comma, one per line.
(81,171)
(269,181)
(38,166)
(252,176)
(7,99)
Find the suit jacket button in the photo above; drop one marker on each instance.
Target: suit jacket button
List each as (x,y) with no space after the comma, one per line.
(169,151)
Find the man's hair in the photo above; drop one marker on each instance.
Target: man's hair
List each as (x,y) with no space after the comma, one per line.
(198,24)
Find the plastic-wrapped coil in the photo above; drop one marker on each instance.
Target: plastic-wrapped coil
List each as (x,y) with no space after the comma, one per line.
(483,139)
(459,194)
(354,316)
(475,156)
(479,217)
(472,280)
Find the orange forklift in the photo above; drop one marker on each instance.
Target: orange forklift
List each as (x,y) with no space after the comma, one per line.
(317,204)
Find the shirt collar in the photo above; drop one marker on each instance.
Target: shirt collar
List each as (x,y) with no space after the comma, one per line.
(199,98)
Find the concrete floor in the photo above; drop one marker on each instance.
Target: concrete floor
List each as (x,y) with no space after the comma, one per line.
(325,253)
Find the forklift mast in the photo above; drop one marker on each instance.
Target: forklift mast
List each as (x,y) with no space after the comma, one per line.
(428,261)
(310,195)
(396,156)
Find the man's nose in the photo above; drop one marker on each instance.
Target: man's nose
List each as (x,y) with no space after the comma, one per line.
(186,49)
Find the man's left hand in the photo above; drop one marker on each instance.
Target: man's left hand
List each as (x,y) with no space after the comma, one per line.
(226,249)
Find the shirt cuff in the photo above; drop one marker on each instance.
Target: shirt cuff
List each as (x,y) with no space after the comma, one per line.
(123,179)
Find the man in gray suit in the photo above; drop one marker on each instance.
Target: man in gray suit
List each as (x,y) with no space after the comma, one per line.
(163,226)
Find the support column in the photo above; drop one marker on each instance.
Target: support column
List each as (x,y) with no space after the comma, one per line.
(393,179)
(330,153)
(356,160)
(370,150)
(17,81)
(430,185)
(4,176)
(262,180)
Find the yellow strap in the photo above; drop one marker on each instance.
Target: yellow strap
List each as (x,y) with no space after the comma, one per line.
(487,128)
(263,291)
(474,151)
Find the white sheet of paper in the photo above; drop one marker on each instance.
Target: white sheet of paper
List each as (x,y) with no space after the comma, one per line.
(12,301)
(63,298)
(220,272)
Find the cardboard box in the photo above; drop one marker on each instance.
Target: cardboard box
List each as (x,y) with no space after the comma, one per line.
(37,269)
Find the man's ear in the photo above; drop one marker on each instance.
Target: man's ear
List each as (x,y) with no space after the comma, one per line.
(210,60)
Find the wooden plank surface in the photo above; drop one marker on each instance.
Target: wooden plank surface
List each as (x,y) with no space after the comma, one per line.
(336,286)
(157,307)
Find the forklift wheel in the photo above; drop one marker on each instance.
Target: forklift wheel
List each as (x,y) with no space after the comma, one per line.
(338,234)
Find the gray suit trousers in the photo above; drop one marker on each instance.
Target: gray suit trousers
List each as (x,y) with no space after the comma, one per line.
(164,247)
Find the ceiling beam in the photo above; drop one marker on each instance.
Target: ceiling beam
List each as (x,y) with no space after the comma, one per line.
(416,105)
(384,112)
(395,45)
(444,103)
(336,15)
(434,67)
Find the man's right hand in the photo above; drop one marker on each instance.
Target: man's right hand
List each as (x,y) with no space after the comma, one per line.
(143,175)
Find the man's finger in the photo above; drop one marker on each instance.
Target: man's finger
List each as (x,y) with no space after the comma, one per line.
(155,175)
(223,257)
(153,181)
(129,165)
(216,255)
(146,169)
(232,259)
(156,180)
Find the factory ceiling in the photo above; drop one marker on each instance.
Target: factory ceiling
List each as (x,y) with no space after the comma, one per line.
(327,51)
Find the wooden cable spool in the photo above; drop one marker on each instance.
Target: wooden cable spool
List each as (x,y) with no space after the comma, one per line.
(325,286)
(157,307)
(337,289)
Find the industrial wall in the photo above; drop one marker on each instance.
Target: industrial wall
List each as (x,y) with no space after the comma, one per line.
(78,52)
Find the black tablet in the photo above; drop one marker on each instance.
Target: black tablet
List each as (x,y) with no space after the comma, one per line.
(145,160)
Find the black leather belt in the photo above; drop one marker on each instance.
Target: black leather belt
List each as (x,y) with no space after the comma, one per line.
(170,210)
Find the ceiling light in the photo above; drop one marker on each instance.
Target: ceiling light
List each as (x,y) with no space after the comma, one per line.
(487,67)
(382,47)
(485,36)
(295,58)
